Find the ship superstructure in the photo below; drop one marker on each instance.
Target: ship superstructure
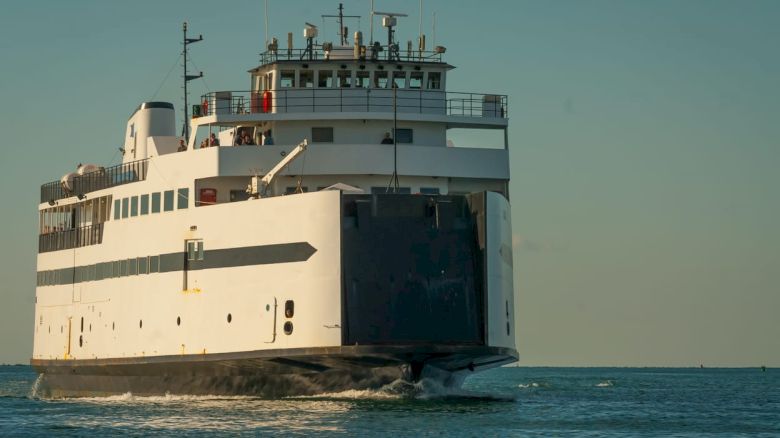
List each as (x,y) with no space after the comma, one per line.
(315,232)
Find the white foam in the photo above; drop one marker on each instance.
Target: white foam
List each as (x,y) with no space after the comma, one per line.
(605,384)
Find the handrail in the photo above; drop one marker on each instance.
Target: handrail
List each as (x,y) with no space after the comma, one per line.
(99,179)
(355,99)
(337,55)
(73,238)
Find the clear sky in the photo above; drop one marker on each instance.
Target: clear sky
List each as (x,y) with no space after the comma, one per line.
(644,142)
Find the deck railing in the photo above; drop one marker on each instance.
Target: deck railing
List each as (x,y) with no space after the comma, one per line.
(347,54)
(69,239)
(102,178)
(299,100)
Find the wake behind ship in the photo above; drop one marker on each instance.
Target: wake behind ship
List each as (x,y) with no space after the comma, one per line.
(314,233)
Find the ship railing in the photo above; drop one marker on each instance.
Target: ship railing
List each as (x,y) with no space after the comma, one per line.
(307,100)
(72,238)
(102,178)
(348,54)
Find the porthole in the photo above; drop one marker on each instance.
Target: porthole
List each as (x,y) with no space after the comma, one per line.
(178,320)
(288,328)
(141,323)
(81,341)
(230,318)
(267,307)
(289,308)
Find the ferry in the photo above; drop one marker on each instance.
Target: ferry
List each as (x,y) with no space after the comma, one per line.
(315,233)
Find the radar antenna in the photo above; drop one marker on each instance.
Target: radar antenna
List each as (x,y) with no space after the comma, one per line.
(389,21)
(342,29)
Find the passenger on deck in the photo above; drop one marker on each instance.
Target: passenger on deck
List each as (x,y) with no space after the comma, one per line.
(213,141)
(204,143)
(267,138)
(246,139)
(387,139)
(182,146)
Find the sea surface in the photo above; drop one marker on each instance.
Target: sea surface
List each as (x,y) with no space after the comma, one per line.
(504,402)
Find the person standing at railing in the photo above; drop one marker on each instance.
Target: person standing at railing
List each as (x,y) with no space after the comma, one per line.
(268,140)
(213,141)
(182,146)
(388,139)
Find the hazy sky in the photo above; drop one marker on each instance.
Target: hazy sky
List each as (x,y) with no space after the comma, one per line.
(644,147)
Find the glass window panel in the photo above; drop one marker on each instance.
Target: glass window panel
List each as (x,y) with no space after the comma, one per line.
(183,198)
(132,266)
(287,79)
(125,207)
(434,81)
(117,270)
(143,265)
(344,78)
(154,264)
(168,200)
(415,79)
(322,135)
(307,78)
(200,250)
(399,79)
(361,79)
(380,79)
(156,202)
(134,206)
(144,204)
(117,210)
(404,135)
(325,78)
(123,268)
(190,250)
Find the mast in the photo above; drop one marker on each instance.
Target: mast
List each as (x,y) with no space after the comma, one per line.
(185,129)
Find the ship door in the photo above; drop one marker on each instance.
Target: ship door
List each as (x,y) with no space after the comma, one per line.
(193,263)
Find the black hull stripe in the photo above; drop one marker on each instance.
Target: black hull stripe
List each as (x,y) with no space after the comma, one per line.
(215,258)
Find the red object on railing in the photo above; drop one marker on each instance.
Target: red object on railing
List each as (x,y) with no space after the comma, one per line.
(204,107)
(208,196)
(267,104)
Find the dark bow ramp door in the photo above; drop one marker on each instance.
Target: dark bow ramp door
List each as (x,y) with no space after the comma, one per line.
(413,269)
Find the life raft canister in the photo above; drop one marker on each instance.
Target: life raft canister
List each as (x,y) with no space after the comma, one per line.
(267,101)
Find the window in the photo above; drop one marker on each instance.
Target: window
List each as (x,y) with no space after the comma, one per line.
(143,265)
(156,202)
(403,135)
(238,195)
(287,79)
(380,79)
(322,135)
(154,264)
(429,190)
(385,189)
(184,195)
(415,79)
(361,79)
(132,266)
(134,206)
(123,268)
(434,81)
(325,78)
(117,210)
(125,208)
(399,79)
(168,200)
(117,271)
(195,250)
(307,78)
(344,78)
(144,204)
(291,190)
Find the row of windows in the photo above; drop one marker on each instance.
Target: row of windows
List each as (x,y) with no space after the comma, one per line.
(374,190)
(135,205)
(100,271)
(344,78)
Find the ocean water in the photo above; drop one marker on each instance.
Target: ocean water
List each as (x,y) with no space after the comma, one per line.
(504,402)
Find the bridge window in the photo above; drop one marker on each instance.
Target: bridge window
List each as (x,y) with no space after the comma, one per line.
(322,135)
(168,200)
(345,78)
(361,79)
(125,207)
(307,78)
(416,79)
(132,266)
(143,265)
(325,78)
(287,79)
(154,264)
(117,209)
(380,79)
(134,206)
(434,81)
(399,79)
(382,190)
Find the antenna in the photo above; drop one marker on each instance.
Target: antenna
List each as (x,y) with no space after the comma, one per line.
(185,130)
(266,23)
(342,30)
(309,32)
